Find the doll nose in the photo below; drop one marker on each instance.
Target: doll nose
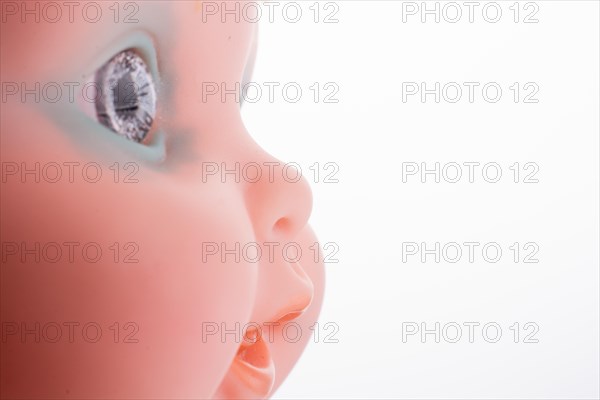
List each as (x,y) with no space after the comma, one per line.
(279,203)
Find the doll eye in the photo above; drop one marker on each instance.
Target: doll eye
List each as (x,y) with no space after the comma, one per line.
(126,97)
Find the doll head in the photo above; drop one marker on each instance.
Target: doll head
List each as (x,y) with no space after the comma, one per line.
(130,269)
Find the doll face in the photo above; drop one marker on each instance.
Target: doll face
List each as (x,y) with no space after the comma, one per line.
(139,256)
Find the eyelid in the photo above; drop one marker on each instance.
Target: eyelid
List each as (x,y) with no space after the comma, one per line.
(139,41)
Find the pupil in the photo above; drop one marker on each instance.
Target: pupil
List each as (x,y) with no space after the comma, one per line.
(126,95)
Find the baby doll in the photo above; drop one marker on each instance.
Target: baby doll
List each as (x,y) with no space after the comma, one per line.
(125,273)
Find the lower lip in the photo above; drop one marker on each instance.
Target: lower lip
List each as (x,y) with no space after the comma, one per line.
(254,366)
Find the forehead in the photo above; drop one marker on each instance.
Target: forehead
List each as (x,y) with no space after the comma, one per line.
(55,38)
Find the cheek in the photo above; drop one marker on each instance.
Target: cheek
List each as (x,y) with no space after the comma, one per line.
(151,279)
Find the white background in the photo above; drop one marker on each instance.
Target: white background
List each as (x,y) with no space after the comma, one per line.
(370,212)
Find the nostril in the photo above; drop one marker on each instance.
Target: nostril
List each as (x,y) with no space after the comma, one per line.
(282,225)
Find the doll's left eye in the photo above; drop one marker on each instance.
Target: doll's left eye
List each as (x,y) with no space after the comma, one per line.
(126,96)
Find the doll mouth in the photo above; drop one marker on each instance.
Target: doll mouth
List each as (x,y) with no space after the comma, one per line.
(254,367)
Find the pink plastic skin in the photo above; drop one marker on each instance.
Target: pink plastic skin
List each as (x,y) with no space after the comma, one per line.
(171,295)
